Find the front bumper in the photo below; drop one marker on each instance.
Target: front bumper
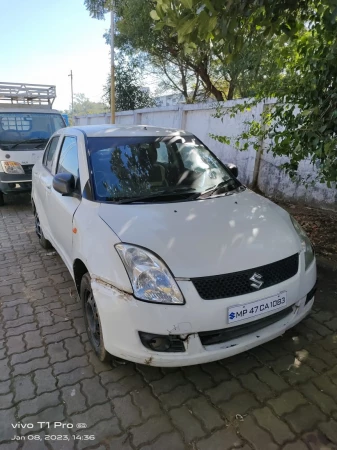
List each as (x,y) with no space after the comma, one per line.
(123,317)
(15,183)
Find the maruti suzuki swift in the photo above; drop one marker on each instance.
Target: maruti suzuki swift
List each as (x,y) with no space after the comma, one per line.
(175,261)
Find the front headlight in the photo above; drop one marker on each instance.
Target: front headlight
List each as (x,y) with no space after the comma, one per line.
(305,243)
(151,280)
(12,167)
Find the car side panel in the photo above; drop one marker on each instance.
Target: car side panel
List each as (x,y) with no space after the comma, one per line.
(41,189)
(94,244)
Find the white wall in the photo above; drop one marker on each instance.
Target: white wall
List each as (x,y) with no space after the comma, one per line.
(200,120)
(275,183)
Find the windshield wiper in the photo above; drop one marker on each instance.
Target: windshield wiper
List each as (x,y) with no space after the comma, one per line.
(210,191)
(164,193)
(31,141)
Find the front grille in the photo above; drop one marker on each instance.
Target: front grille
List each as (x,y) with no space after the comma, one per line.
(239,283)
(228,334)
(28,168)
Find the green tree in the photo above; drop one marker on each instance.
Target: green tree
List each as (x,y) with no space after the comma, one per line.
(304,36)
(197,69)
(83,106)
(300,39)
(137,30)
(97,8)
(165,61)
(130,94)
(204,62)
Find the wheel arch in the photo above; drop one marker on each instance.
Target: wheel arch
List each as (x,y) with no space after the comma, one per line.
(79,269)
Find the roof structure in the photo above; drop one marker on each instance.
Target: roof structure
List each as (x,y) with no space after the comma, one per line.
(27,94)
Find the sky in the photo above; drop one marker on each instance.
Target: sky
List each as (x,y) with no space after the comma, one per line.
(42,40)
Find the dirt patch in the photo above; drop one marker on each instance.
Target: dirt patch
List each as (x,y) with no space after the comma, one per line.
(319,224)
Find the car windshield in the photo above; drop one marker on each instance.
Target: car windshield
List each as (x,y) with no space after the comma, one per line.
(24,131)
(131,168)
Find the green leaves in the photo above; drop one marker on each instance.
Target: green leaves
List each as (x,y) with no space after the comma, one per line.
(223,139)
(203,22)
(97,8)
(212,22)
(154,15)
(186,28)
(187,3)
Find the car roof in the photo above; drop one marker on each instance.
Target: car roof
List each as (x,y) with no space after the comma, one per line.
(126,130)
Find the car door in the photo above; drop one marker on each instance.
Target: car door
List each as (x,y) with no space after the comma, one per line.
(43,180)
(61,209)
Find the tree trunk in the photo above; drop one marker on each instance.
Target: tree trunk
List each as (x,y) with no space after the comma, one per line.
(202,72)
(231,90)
(183,82)
(196,88)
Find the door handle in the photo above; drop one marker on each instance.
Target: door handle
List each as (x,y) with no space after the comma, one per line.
(48,187)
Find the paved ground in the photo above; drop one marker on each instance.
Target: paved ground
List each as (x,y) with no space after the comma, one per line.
(280,395)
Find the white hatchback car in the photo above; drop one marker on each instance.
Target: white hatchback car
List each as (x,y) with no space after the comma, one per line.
(175,261)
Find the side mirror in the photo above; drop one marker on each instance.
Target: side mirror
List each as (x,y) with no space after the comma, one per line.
(64,183)
(233,168)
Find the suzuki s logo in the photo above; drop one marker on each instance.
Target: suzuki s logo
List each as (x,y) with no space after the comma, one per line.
(256,280)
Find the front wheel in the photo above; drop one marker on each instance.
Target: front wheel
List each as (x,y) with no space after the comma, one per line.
(2,201)
(92,319)
(38,229)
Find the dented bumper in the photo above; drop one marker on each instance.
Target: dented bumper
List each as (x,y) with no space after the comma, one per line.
(123,317)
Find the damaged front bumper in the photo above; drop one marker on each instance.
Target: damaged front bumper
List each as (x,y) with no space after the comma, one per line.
(128,323)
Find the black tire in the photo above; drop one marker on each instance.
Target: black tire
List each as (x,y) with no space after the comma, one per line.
(2,201)
(38,229)
(92,320)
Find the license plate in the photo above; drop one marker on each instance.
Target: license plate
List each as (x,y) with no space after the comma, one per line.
(242,312)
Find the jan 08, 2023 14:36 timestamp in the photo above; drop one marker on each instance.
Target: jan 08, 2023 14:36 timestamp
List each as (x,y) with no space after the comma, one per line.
(55,437)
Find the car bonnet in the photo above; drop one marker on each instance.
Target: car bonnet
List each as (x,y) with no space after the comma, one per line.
(207,237)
